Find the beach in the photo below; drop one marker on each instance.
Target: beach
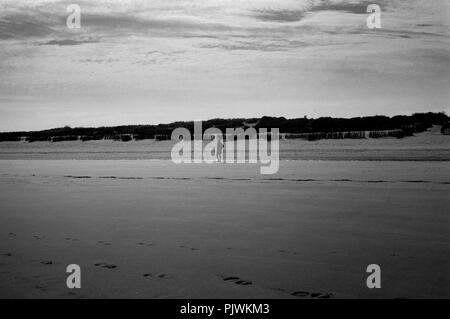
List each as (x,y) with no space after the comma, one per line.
(148,228)
(236,150)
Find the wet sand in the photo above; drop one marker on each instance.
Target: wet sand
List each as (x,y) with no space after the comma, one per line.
(153,229)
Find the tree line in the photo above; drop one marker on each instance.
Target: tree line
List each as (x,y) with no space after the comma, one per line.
(401,125)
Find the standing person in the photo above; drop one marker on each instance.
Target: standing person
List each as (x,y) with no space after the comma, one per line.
(219,149)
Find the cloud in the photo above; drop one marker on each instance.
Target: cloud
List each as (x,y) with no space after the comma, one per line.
(23,25)
(68,42)
(345,6)
(279,15)
(113,23)
(267,46)
(297,13)
(159,57)
(195,18)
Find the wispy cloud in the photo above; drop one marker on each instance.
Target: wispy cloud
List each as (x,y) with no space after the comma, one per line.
(68,42)
(358,7)
(279,15)
(271,45)
(16,26)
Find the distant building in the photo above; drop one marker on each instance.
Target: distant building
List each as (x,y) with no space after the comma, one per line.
(446,129)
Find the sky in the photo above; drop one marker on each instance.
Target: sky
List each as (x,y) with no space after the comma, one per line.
(159,61)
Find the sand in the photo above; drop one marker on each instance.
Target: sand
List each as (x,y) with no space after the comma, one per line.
(152,229)
(426,146)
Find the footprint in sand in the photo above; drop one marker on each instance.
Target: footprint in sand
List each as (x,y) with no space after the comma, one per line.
(237,281)
(190,248)
(161,276)
(145,244)
(300,294)
(320,295)
(105,265)
(78,177)
(7,254)
(70,239)
(109,266)
(38,287)
(283,251)
(12,234)
(316,295)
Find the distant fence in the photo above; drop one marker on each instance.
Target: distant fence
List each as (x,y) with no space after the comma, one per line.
(346,135)
(313,136)
(326,135)
(391,133)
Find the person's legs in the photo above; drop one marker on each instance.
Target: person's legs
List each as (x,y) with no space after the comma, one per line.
(219,150)
(219,155)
